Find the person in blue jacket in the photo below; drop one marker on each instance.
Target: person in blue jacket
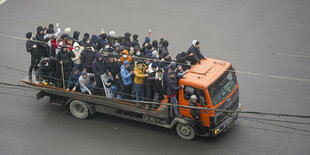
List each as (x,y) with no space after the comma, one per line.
(126,75)
(73,81)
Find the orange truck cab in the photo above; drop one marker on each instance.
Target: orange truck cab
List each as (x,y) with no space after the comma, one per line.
(215,84)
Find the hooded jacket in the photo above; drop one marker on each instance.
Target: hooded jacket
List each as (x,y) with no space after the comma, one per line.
(30,49)
(197,56)
(139,74)
(102,41)
(76,35)
(173,87)
(129,59)
(126,76)
(40,37)
(66,58)
(98,66)
(77,53)
(114,67)
(126,41)
(93,42)
(87,57)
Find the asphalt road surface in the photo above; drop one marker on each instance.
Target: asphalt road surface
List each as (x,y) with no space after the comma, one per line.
(243,32)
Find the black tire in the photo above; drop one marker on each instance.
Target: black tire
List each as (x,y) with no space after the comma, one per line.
(185,131)
(79,109)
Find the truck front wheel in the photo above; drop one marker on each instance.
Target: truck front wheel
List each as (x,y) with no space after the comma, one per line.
(79,109)
(185,131)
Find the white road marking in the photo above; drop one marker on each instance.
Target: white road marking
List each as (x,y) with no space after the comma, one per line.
(2,1)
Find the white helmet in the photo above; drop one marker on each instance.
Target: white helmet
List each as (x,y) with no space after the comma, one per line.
(193,97)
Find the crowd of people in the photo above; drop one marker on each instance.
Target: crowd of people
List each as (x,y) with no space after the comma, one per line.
(107,64)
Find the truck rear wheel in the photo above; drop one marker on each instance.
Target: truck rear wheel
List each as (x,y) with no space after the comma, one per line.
(185,131)
(79,109)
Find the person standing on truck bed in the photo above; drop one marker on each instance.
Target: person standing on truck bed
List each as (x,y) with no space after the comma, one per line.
(87,57)
(158,87)
(86,84)
(65,61)
(98,68)
(194,53)
(195,113)
(173,88)
(33,49)
(140,76)
(126,75)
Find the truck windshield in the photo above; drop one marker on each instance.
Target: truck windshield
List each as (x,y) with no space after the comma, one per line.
(222,87)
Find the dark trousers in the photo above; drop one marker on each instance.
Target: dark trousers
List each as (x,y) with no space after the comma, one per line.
(149,93)
(127,92)
(35,60)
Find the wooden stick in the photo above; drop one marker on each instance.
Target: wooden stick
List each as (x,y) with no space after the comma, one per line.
(63,76)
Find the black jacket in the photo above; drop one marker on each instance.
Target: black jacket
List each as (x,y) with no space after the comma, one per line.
(194,112)
(42,46)
(66,58)
(114,68)
(98,66)
(197,56)
(126,41)
(150,79)
(30,49)
(112,40)
(158,88)
(173,86)
(76,35)
(46,71)
(87,57)
(94,42)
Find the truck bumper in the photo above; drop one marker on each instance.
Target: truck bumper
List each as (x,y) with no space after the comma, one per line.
(225,125)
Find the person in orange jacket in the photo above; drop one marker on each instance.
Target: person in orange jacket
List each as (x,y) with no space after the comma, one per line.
(125,56)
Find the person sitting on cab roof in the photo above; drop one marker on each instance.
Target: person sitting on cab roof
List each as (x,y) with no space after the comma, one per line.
(140,76)
(86,82)
(173,88)
(194,53)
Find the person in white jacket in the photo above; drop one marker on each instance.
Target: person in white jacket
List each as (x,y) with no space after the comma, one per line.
(77,49)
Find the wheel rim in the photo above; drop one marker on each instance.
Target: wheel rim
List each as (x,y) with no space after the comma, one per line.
(185,130)
(79,108)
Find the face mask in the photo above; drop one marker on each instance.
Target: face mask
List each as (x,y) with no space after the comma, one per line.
(77,48)
(157,56)
(138,53)
(140,67)
(125,56)
(46,64)
(147,63)
(107,46)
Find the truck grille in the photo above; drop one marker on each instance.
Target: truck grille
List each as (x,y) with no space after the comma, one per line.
(232,104)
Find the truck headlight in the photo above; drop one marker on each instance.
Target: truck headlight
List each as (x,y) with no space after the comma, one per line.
(240,106)
(216,131)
